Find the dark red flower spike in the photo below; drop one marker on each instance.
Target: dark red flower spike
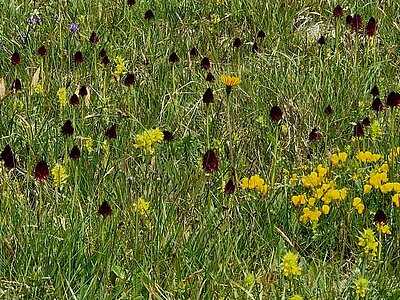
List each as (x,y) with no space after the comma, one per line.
(375,91)
(261,35)
(111,132)
(237,43)
(393,100)
(210,77)
(94,39)
(205,63)
(314,135)
(380,217)
(41,171)
(67,129)
(229,187)
(42,51)
(78,57)
(83,91)
(129,79)
(371,27)
(328,110)
(338,11)
(210,161)
(8,157)
(74,100)
(105,209)
(75,153)
(15,59)
(377,105)
(168,136)
(276,113)
(194,52)
(359,130)
(149,15)
(208,96)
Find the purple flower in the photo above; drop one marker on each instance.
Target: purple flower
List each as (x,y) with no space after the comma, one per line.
(73,27)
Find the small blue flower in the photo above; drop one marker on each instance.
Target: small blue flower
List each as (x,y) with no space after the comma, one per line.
(73,27)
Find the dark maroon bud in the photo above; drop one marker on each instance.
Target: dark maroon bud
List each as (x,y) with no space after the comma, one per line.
(173,58)
(314,135)
(129,79)
(338,11)
(15,59)
(375,91)
(67,128)
(359,130)
(380,217)
(168,136)
(149,15)
(94,39)
(208,96)
(210,161)
(261,35)
(42,51)
(328,110)
(105,209)
(78,57)
(83,91)
(194,52)
(237,43)
(229,187)
(371,27)
(111,132)
(366,122)
(41,171)
(205,63)
(8,157)
(276,113)
(74,100)
(377,105)
(210,77)
(75,153)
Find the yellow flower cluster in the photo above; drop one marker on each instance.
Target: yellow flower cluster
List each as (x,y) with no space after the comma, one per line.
(368,241)
(142,207)
(341,157)
(255,182)
(147,139)
(289,264)
(62,97)
(296,297)
(315,178)
(383,228)
(312,215)
(120,68)
(361,286)
(358,205)
(59,175)
(379,176)
(368,157)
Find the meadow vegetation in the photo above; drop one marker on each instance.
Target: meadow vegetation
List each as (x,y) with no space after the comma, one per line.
(221,149)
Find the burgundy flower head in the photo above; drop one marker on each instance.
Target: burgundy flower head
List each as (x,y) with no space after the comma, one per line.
(359,130)
(149,15)
(377,105)
(328,110)
(67,128)
(375,91)
(380,217)
(321,40)
(261,35)
(75,153)
(17,86)
(15,59)
(276,113)
(78,57)
(356,23)
(314,135)
(338,11)
(208,96)
(131,2)
(94,39)
(173,58)
(129,79)
(194,52)
(205,63)
(237,43)
(8,157)
(168,136)
(366,122)
(74,100)
(83,91)
(371,27)
(41,171)
(349,20)
(210,161)
(105,209)
(111,132)
(102,53)
(229,187)
(210,77)
(105,61)
(393,100)
(42,51)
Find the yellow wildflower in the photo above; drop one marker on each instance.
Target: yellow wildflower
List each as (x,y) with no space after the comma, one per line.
(39,89)
(147,139)
(298,199)
(296,297)
(230,81)
(289,264)
(141,207)
(367,188)
(59,175)
(293,180)
(358,205)
(62,97)
(89,145)
(383,228)
(325,209)
(396,199)
(376,130)
(367,240)
(361,286)
(120,68)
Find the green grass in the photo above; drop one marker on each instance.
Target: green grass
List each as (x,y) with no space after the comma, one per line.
(195,242)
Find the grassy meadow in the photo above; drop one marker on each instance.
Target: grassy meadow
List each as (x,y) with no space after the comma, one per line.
(223,149)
